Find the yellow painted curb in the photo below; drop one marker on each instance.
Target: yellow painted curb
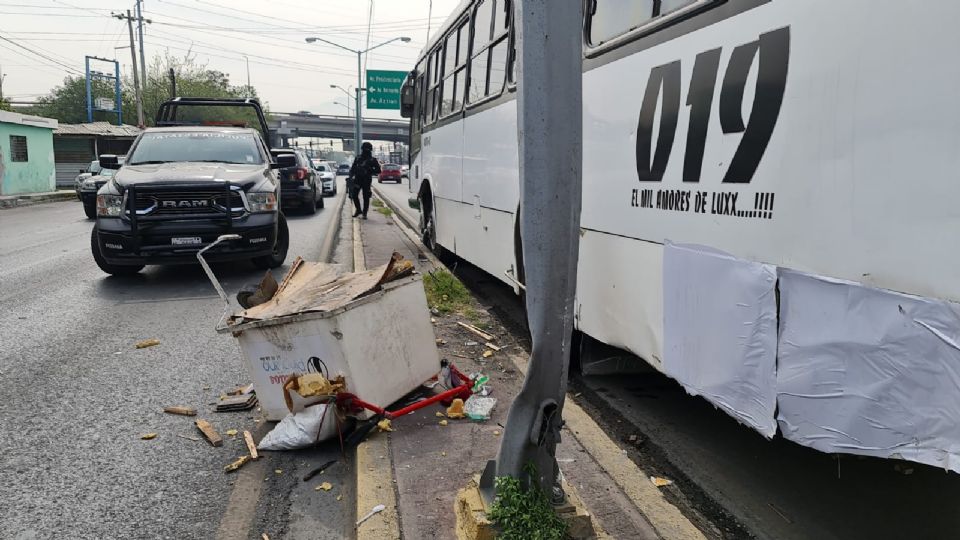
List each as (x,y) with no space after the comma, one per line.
(666,518)
(375,486)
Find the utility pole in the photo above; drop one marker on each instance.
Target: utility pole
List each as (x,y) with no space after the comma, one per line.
(2,77)
(136,79)
(173,83)
(143,62)
(549,52)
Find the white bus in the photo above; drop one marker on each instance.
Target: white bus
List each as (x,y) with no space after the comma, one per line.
(770,196)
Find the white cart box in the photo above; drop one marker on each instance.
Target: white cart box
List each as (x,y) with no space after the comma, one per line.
(382,343)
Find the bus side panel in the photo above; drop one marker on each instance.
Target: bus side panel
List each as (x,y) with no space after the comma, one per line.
(491,170)
(442,165)
(619,294)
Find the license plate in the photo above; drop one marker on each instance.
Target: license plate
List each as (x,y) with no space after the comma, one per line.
(186,241)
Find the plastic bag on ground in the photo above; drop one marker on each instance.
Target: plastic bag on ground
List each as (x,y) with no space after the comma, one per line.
(479,408)
(301,430)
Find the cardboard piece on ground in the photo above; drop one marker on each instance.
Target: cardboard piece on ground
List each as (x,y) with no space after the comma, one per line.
(237,403)
(209,432)
(311,287)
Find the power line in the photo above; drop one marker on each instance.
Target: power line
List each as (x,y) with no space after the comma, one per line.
(41,55)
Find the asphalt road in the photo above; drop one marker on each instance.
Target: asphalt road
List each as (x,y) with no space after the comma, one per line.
(75,397)
(728,479)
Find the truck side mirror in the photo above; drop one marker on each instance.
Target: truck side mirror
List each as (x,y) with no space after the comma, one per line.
(109,161)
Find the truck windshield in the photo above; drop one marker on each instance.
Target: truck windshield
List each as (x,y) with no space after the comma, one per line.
(202,146)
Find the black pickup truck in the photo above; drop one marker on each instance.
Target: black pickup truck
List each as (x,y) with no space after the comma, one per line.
(184,184)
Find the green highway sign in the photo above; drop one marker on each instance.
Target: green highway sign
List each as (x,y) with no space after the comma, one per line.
(383,88)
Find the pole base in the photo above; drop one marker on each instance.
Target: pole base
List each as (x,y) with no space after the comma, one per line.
(472,505)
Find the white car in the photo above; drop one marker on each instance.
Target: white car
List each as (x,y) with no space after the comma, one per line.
(328,176)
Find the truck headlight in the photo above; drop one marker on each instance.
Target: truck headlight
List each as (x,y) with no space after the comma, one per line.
(262,202)
(109,205)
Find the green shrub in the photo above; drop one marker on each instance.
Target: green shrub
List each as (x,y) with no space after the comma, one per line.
(524,514)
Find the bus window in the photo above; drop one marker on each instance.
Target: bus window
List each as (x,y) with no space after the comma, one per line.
(666,6)
(482,19)
(498,65)
(454,76)
(490,49)
(614,17)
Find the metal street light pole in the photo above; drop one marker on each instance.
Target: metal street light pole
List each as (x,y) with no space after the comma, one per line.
(347,105)
(358,129)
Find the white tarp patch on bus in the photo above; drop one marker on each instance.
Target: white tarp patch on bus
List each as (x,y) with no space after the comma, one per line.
(869,371)
(720,331)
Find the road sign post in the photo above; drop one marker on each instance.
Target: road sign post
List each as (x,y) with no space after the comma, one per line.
(383,89)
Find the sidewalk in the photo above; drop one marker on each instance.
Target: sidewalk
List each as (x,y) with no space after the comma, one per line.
(25,199)
(428,462)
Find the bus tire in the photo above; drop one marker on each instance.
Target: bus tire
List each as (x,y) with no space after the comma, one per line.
(428,223)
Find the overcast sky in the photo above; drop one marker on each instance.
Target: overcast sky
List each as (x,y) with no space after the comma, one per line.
(287,72)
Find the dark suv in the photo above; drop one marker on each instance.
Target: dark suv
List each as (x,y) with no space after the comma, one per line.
(300,185)
(183,186)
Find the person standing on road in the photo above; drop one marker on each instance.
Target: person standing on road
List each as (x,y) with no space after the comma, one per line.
(364,168)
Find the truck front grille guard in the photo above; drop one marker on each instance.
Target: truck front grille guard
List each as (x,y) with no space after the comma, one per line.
(132,215)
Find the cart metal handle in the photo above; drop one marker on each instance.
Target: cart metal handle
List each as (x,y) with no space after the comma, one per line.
(213,278)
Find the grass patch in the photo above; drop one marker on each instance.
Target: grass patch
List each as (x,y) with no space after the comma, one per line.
(446,293)
(384,210)
(377,203)
(524,514)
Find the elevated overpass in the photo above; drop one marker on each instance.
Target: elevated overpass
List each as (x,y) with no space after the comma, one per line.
(290,125)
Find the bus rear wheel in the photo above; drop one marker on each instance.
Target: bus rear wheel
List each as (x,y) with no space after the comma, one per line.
(428,225)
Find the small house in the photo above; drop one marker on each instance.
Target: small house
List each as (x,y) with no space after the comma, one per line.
(76,145)
(26,154)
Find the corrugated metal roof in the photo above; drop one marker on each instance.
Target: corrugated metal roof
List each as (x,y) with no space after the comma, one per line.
(103,129)
(27,120)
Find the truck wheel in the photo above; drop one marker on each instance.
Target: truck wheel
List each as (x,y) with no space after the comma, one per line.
(90,209)
(112,269)
(428,226)
(279,254)
(312,204)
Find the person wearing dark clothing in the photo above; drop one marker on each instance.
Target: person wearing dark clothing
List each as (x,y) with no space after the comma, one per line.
(364,168)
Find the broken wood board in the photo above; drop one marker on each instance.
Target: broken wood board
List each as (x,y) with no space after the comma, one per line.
(476,331)
(492,346)
(248,438)
(209,432)
(240,462)
(182,411)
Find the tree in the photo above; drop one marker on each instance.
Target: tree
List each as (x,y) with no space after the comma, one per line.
(5,105)
(68,102)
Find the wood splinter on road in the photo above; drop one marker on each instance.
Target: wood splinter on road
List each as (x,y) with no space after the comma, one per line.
(240,462)
(209,432)
(183,411)
(248,438)
(476,331)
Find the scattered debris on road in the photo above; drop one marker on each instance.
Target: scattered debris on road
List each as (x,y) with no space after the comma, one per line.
(147,343)
(384,425)
(189,438)
(301,430)
(209,432)
(182,411)
(660,482)
(492,346)
(455,410)
(243,402)
(231,432)
(240,462)
(251,447)
(479,408)
(443,422)
(376,510)
(148,436)
(326,486)
(476,331)
(318,470)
